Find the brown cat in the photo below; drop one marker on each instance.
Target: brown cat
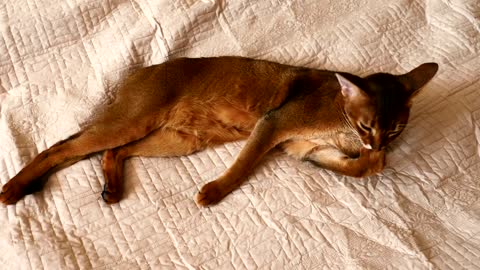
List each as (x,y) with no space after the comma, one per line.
(336,120)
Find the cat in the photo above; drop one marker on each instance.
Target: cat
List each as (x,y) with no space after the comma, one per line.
(336,120)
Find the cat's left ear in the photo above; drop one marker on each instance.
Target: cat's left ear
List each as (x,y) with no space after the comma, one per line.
(349,90)
(418,77)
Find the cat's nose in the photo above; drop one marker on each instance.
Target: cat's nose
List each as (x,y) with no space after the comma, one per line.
(377,146)
(382,147)
(377,143)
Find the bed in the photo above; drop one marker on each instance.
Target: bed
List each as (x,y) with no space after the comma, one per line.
(61,59)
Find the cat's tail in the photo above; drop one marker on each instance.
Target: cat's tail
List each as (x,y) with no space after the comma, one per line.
(95,138)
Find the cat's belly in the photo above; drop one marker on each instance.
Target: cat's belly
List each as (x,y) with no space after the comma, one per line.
(213,123)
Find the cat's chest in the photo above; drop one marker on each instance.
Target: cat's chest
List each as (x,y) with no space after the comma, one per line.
(345,140)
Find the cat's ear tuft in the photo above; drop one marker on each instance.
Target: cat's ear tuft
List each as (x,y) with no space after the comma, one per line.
(349,89)
(418,77)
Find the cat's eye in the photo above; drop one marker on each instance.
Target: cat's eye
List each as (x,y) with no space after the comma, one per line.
(393,133)
(364,127)
(397,130)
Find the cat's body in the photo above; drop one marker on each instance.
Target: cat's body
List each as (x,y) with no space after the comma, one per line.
(186,105)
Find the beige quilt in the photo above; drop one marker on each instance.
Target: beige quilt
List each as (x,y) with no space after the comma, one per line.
(61,58)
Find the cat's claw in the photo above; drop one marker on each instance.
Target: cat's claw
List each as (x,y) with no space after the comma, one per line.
(210,194)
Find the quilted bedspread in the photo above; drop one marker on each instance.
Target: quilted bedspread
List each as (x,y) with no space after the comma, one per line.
(59,59)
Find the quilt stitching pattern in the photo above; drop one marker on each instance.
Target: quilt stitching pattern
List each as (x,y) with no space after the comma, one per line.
(61,59)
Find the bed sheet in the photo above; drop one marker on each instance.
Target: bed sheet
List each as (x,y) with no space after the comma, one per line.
(59,59)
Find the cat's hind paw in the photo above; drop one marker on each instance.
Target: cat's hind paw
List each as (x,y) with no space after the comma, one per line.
(111,196)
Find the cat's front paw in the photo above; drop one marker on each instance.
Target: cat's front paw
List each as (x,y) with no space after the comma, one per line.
(373,161)
(379,162)
(211,193)
(11,193)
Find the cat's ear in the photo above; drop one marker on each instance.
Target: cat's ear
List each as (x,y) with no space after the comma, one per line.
(418,77)
(349,90)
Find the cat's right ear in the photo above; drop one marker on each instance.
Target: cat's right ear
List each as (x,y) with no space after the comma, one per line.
(349,90)
(418,77)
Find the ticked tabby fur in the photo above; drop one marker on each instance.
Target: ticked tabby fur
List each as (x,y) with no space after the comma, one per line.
(338,121)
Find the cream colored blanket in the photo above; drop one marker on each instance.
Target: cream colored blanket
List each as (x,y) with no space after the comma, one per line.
(61,58)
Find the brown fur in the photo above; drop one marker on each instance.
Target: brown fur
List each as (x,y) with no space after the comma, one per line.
(186,105)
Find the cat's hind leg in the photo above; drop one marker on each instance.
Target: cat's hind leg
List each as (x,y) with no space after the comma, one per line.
(159,143)
(96,137)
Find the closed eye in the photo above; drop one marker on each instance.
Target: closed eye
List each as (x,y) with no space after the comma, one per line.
(397,130)
(364,127)
(393,133)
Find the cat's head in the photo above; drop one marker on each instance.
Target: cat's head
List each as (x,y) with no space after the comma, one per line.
(378,106)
